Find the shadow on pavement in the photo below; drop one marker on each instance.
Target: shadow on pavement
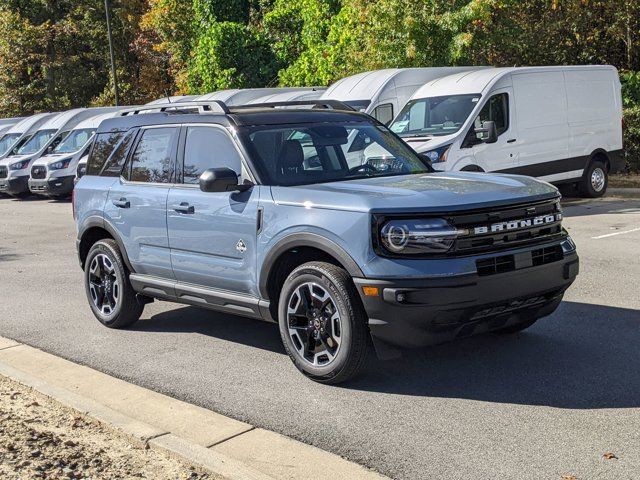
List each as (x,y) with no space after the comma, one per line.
(583,208)
(246,331)
(583,356)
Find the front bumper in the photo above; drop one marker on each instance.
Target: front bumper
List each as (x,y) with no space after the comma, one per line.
(428,311)
(14,185)
(52,186)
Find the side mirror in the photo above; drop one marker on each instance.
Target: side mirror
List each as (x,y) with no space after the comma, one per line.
(488,133)
(221,180)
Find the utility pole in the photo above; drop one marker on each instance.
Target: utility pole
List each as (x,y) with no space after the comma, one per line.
(113,60)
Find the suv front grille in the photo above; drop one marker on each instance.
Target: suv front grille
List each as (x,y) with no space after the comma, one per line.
(501,229)
(3,172)
(38,172)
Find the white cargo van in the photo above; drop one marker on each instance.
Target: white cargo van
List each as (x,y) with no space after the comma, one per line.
(15,167)
(383,93)
(291,96)
(18,134)
(561,124)
(236,96)
(173,99)
(54,174)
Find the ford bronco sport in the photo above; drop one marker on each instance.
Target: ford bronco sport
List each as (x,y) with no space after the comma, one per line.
(283,214)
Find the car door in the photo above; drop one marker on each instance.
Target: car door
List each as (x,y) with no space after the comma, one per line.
(212,235)
(137,202)
(503,154)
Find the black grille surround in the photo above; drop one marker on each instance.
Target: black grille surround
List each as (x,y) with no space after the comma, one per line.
(489,230)
(4,172)
(38,172)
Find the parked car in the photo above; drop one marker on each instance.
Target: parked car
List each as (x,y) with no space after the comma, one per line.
(383,93)
(255,212)
(560,124)
(54,174)
(18,163)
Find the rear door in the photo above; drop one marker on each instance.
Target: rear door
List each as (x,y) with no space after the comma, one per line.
(212,235)
(137,203)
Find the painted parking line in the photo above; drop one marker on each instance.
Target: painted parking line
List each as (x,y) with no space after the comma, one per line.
(616,233)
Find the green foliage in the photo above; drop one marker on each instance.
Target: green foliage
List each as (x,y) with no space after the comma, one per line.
(630,89)
(632,137)
(230,55)
(209,12)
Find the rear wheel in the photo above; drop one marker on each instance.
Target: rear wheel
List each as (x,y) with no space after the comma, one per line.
(111,297)
(323,323)
(595,180)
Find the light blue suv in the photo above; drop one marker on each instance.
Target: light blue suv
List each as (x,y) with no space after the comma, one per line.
(319,219)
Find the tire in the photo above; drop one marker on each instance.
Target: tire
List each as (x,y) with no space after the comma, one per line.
(118,307)
(321,304)
(595,180)
(518,327)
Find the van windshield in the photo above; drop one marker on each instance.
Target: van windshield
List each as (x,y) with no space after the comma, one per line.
(75,141)
(37,142)
(7,142)
(434,116)
(328,152)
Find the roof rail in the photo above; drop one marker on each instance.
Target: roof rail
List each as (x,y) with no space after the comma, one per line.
(211,106)
(332,104)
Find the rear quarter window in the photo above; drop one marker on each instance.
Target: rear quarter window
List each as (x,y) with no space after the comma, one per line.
(103,146)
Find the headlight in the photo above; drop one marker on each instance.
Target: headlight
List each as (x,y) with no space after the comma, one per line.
(60,164)
(439,154)
(417,236)
(19,165)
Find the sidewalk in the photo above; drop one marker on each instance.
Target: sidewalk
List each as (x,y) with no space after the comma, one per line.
(199,437)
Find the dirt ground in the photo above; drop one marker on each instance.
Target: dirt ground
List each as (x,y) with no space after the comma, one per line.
(41,439)
(625,181)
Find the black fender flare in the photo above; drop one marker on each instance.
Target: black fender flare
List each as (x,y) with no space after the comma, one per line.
(596,152)
(99,222)
(304,239)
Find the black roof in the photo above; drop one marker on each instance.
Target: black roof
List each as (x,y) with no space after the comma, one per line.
(259,115)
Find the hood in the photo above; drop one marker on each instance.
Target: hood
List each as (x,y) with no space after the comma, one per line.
(14,158)
(426,143)
(427,192)
(47,159)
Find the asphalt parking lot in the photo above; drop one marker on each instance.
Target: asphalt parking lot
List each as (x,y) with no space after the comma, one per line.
(541,404)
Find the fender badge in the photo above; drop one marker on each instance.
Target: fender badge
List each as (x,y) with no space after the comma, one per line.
(240,246)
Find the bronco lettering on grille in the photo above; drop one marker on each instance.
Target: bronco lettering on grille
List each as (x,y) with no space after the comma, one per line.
(512,225)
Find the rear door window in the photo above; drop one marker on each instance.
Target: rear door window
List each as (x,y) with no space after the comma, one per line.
(152,159)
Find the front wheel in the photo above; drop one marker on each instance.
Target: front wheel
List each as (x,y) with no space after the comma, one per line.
(111,297)
(322,323)
(595,180)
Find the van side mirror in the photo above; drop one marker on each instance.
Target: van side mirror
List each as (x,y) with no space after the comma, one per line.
(221,180)
(488,133)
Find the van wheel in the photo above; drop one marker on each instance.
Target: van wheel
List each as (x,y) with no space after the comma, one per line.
(595,180)
(323,324)
(111,297)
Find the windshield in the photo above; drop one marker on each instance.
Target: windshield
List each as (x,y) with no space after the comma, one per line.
(74,141)
(37,142)
(328,152)
(7,142)
(358,105)
(434,116)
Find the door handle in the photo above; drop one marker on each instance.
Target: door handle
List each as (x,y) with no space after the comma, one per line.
(184,207)
(122,203)
(511,140)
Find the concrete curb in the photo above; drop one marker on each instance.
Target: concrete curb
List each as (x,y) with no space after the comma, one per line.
(623,192)
(196,436)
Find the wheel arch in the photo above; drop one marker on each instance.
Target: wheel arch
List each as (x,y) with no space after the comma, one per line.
(293,250)
(96,229)
(600,154)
